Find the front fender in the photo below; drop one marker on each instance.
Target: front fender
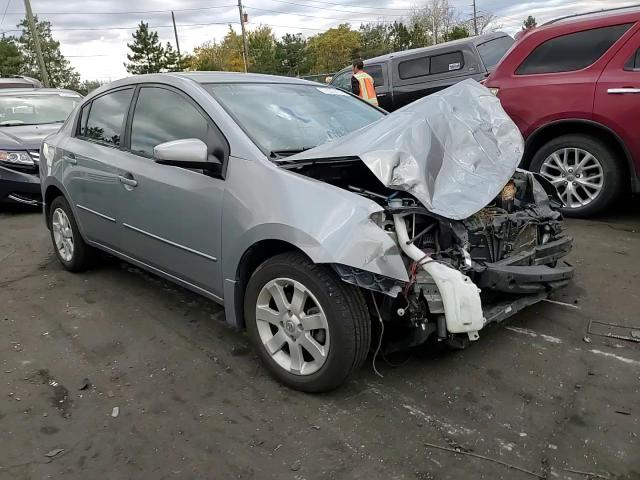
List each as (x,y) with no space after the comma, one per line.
(329,224)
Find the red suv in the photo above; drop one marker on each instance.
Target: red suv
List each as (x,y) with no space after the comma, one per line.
(573,88)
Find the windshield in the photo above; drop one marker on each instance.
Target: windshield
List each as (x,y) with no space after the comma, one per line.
(283,119)
(36,109)
(493,50)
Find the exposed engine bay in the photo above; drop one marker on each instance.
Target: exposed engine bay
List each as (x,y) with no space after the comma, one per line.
(463,274)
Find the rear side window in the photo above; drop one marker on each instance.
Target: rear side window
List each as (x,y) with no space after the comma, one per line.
(162,116)
(491,52)
(376,73)
(417,67)
(447,62)
(634,62)
(106,117)
(571,52)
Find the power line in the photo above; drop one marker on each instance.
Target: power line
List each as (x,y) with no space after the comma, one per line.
(127,13)
(308,16)
(5,11)
(350,6)
(344,11)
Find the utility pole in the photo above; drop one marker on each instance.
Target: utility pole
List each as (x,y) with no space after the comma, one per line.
(175,33)
(245,50)
(475,18)
(36,43)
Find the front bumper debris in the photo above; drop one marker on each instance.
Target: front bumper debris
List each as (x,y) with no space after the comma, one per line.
(530,271)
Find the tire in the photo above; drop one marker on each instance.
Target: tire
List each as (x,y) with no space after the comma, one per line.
(611,172)
(344,336)
(80,257)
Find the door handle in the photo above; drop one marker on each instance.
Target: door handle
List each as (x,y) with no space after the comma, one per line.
(622,91)
(130,182)
(70,158)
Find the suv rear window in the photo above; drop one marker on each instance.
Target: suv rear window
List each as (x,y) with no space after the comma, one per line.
(492,51)
(573,51)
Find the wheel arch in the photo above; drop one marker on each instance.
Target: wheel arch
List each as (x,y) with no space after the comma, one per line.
(251,259)
(50,194)
(583,127)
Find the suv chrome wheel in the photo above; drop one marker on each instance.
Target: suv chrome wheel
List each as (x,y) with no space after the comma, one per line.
(62,234)
(292,326)
(576,173)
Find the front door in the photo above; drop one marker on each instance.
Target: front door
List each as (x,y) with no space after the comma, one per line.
(617,101)
(172,215)
(91,166)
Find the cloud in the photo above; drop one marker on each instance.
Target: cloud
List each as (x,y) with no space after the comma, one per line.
(97,53)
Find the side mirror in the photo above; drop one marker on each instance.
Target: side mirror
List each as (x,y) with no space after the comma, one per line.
(186,153)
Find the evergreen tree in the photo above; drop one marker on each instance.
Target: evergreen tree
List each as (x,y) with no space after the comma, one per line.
(61,73)
(147,53)
(530,22)
(10,57)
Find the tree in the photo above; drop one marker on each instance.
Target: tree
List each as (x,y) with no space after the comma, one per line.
(262,48)
(223,56)
(89,86)
(373,40)
(10,57)
(148,55)
(530,22)
(61,73)
(291,55)
(398,37)
(333,49)
(456,33)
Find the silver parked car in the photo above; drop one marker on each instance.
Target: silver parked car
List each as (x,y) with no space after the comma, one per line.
(318,220)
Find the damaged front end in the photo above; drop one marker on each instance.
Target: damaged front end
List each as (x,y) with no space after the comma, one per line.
(481,239)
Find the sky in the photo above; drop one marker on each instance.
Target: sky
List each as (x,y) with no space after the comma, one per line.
(93,33)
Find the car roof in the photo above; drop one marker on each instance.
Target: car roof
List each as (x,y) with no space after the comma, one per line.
(35,91)
(610,16)
(213,77)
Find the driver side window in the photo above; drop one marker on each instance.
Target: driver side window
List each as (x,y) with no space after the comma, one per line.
(162,115)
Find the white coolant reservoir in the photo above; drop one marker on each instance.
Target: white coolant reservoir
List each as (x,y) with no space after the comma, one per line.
(460,296)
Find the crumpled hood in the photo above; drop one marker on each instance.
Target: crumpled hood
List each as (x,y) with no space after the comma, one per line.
(453,151)
(26,137)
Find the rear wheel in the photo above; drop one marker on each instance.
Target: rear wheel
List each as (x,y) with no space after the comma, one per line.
(309,328)
(72,252)
(585,171)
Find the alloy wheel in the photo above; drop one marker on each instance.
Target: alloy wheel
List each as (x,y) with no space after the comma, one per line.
(576,173)
(292,326)
(62,234)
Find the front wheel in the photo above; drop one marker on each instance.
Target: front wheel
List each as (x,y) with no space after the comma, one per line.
(310,329)
(585,170)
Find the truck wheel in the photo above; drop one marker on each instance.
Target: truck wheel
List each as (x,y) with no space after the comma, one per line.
(310,329)
(72,252)
(585,171)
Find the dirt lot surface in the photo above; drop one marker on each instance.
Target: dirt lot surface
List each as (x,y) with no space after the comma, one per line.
(134,378)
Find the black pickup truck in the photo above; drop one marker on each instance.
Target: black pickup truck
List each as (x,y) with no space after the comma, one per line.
(402,77)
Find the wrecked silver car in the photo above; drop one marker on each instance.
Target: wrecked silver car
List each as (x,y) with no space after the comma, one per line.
(319,221)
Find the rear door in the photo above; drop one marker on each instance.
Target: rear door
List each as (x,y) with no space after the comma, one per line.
(91,170)
(172,215)
(617,99)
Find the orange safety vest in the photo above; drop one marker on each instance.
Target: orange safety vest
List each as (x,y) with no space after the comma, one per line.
(367,90)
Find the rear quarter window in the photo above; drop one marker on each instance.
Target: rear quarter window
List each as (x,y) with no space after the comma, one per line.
(571,52)
(447,62)
(417,67)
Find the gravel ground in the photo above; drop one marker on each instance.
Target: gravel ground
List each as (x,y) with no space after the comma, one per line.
(116,374)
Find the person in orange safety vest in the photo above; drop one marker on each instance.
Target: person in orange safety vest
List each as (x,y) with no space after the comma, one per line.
(362,83)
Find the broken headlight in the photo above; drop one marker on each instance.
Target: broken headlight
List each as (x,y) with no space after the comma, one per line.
(16,158)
